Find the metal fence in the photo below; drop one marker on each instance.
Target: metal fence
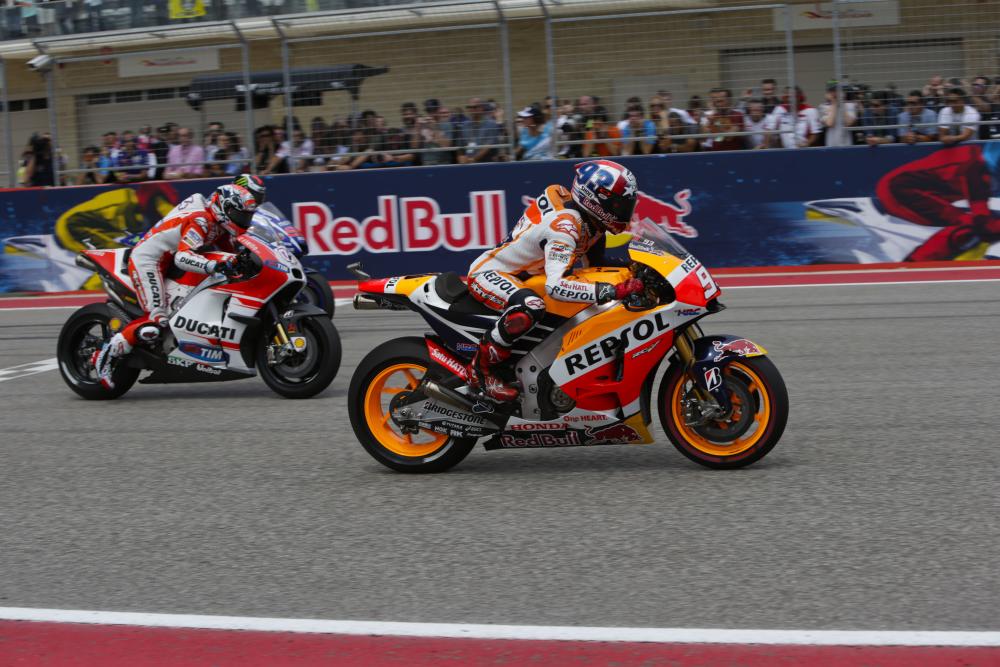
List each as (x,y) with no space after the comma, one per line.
(486,80)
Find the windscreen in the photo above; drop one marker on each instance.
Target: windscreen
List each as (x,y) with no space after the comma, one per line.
(650,237)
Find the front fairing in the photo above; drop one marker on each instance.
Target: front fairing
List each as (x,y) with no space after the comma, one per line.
(654,247)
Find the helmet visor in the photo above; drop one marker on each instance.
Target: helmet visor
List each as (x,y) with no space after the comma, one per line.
(240,218)
(621,207)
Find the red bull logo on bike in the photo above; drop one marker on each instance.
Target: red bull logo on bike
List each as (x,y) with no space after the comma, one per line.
(614,433)
(666,215)
(741,347)
(404,224)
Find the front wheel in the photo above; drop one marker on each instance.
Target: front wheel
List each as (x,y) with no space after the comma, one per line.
(85,332)
(301,374)
(760,411)
(391,368)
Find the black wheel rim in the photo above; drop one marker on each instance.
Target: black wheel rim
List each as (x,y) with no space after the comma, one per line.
(301,368)
(88,337)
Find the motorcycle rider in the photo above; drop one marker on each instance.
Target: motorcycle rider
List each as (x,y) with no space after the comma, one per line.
(255,185)
(557,229)
(191,226)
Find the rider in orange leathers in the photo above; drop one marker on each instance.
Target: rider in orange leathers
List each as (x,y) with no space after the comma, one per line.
(558,229)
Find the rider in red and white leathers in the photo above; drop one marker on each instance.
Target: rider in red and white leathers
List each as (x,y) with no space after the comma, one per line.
(193,225)
(558,229)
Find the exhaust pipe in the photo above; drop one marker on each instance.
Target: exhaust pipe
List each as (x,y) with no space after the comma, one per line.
(365,302)
(456,400)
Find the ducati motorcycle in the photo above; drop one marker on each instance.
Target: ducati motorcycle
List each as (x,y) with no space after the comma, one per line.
(586,372)
(219,329)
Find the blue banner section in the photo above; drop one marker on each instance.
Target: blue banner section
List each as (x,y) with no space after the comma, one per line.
(752,208)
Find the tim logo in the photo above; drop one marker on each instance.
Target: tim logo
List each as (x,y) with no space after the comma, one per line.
(212,355)
(411,224)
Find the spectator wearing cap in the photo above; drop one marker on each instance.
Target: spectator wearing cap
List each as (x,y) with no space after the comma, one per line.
(535,135)
(919,121)
(639,133)
(436,132)
(186,158)
(478,131)
(957,120)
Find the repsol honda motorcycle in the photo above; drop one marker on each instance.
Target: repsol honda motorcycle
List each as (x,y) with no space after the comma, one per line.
(220,328)
(586,372)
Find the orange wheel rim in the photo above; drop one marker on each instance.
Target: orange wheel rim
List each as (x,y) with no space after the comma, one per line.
(761,406)
(383,387)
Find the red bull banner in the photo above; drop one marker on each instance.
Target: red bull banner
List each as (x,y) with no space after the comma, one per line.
(892,203)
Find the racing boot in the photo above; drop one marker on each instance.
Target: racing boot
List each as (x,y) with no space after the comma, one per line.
(103,360)
(480,373)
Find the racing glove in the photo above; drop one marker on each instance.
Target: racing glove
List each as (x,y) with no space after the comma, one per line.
(607,292)
(226,267)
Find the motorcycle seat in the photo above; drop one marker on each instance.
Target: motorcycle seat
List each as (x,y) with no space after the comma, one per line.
(453,291)
(450,287)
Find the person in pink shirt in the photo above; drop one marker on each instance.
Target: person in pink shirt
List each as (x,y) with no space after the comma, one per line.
(185,157)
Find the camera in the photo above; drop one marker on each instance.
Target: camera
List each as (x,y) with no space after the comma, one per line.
(40,63)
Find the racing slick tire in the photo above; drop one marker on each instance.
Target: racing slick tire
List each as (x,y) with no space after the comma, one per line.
(760,412)
(84,332)
(395,366)
(308,373)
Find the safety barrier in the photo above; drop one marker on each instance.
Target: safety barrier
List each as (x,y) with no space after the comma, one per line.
(886,204)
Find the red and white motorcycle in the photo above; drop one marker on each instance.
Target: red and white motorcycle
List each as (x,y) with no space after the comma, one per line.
(220,328)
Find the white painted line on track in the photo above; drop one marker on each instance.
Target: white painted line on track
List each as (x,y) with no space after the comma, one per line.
(523,632)
(31,368)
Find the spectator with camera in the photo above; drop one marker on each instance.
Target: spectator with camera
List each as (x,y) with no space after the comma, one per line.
(837,116)
(39,170)
(918,121)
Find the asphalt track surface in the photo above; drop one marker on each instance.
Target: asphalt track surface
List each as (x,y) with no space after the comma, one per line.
(879,509)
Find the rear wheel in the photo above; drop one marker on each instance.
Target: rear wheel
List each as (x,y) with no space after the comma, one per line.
(84,333)
(301,374)
(760,411)
(388,370)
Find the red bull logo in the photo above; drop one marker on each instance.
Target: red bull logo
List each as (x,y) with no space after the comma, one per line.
(404,224)
(614,433)
(666,215)
(736,348)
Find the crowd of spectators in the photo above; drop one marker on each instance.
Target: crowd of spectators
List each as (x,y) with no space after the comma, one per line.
(436,134)
(766,117)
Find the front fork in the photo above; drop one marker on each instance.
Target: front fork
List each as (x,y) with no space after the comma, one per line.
(282,345)
(709,389)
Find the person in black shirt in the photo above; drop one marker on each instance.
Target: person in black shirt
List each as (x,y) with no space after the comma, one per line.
(39,171)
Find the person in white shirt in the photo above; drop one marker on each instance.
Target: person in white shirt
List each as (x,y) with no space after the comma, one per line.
(957,120)
(803,130)
(754,120)
(837,118)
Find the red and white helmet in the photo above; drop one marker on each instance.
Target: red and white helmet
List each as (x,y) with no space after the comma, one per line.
(606,191)
(233,207)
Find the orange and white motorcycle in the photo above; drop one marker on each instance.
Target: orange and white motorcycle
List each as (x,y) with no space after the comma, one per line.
(586,371)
